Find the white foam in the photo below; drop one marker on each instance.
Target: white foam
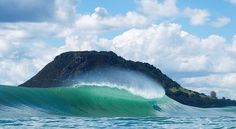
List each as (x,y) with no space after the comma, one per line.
(132,81)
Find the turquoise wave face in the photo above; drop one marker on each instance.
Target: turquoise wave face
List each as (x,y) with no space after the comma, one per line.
(94,101)
(86,101)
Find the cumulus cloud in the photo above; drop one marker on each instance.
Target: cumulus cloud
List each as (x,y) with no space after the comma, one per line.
(19,59)
(156,8)
(197,16)
(220,22)
(100,12)
(101,20)
(174,49)
(22,52)
(65,10)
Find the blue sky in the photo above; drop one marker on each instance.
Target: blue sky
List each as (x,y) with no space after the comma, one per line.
(217,9)
(192,41)
(114,7)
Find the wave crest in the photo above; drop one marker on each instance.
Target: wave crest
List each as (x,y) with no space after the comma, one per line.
(132,81)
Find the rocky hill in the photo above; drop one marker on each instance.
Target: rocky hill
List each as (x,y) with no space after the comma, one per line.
(73,64)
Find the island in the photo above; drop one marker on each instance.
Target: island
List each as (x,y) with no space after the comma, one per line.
(75,63)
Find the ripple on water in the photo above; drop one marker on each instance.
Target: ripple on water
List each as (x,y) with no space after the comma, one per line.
(145,122)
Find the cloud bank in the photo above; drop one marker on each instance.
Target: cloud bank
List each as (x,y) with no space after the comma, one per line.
(27,42)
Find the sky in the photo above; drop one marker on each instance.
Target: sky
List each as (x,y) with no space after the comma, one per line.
(192,41)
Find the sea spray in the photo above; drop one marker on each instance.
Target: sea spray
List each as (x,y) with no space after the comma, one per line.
(133,81)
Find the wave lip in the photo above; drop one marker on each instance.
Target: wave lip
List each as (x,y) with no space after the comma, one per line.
(150,93)
(135,82)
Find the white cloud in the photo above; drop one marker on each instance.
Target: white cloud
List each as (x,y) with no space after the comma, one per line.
(22,52)
(156,8)
(80,43)
(174,49)
(10,34)
(220,22)
(65,10)
(100,12)
(13,72)
(101,20)
(21,59)
(197,16)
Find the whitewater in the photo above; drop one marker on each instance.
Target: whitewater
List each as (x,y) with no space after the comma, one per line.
(124,99)
(91,106)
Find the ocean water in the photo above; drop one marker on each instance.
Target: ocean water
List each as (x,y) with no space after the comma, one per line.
(56,122)
(96,106)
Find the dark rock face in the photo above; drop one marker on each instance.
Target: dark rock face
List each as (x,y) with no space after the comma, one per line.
(73,64)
